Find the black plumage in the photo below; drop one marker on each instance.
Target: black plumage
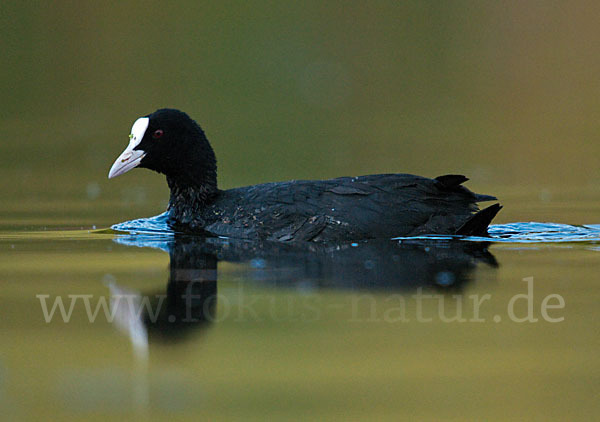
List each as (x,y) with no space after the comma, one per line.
(346,208)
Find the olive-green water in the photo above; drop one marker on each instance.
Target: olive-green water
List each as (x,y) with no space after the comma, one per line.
(506,93)
(289,345)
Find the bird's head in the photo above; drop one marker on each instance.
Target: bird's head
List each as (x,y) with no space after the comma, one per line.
(168,141)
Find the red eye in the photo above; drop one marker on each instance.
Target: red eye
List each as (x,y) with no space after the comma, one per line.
(157,133)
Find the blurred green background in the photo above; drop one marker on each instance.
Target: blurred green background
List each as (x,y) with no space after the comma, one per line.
(504,92)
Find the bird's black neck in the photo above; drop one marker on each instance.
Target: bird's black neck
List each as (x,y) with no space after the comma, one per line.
(187,200)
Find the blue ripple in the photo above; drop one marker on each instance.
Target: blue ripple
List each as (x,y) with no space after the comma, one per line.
(543,233)
(530,232)
(157,224)
(157,230)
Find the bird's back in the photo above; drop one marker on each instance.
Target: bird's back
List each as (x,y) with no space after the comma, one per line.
(346,208)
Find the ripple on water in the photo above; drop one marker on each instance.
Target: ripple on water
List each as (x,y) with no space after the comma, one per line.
(157,224)
(529,232)
(544,232)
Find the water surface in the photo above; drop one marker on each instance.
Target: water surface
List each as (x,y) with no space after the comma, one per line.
(218,328)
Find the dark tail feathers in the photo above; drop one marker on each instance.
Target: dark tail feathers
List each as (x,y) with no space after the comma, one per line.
(477,225)
(450,181)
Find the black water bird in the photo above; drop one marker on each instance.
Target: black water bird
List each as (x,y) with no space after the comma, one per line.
(347,208)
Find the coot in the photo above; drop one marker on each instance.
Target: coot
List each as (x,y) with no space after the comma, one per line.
(347,208)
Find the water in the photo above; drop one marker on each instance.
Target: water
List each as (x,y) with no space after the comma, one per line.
(524,232)
(223,328)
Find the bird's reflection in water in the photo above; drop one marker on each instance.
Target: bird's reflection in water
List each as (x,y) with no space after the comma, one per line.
(191,293)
